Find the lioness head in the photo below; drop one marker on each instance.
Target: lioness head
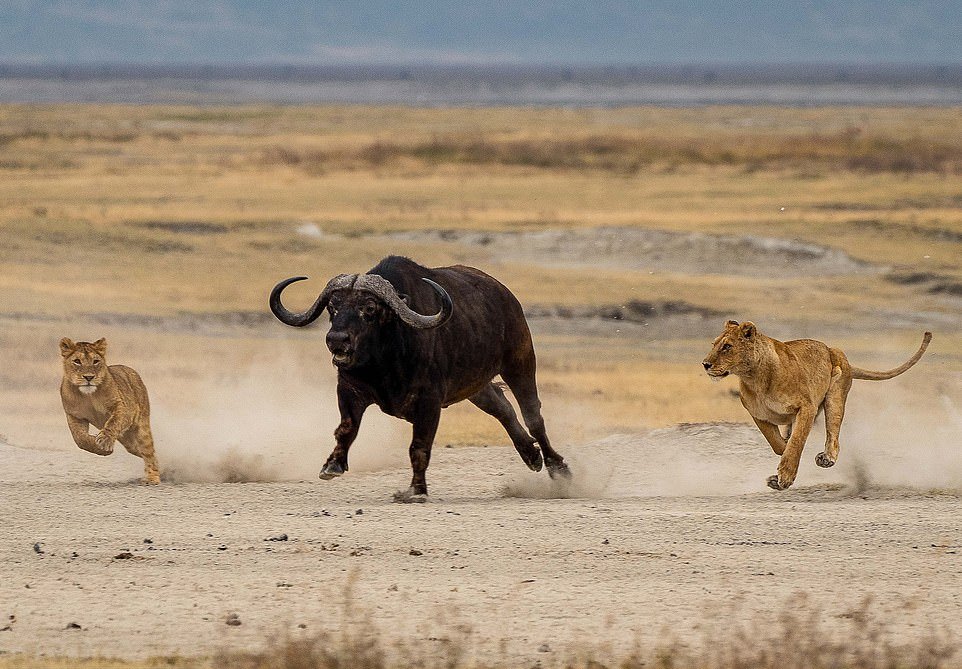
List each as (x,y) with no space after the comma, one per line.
(84,364)
(733,352)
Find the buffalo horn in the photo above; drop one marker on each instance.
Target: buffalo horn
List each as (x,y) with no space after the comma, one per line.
(382,288)
(309,316)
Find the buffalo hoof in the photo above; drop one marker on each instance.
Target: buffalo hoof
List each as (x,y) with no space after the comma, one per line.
(823,460)
(775,484)
(331,470)
(533,459)
(410,497)
(559,470)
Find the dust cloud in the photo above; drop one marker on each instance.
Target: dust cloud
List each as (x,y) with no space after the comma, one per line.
(896,439)
(266,422)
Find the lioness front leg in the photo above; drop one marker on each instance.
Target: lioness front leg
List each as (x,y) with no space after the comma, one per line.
(80,431)
(788,465)
(771,433)
(118,422)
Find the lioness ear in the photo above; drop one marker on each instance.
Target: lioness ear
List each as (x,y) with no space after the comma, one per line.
(731,324)
(747,329)
(100,346)
(66,347)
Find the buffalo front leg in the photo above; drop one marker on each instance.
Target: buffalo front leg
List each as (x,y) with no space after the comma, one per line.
(788,465)
(425,427)
(352,409)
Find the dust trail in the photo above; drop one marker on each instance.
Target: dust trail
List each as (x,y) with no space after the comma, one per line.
(265,422)
(896,436)
(896,439)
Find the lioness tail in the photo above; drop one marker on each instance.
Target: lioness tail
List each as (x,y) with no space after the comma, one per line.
(869,375)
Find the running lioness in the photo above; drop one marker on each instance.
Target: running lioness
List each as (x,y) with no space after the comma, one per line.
(788,383)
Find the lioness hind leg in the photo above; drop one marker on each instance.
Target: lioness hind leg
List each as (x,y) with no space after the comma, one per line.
(834,406)
(140,442)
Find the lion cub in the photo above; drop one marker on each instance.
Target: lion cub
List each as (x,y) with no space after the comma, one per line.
(789,383)
(113,399)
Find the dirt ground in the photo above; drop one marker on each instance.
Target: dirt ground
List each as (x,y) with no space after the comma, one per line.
(163,229)
(664,534)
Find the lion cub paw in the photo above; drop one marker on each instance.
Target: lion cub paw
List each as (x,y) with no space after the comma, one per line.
(822,460)
(775,484)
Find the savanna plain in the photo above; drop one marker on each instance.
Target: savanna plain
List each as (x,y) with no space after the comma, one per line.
(630,235)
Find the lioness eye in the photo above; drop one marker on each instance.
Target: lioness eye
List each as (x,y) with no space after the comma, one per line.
(96,362)
(76,361)
(726,347)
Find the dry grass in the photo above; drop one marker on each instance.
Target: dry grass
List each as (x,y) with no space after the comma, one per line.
(799,639)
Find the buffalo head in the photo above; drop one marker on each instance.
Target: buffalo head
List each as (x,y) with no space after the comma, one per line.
(360,306)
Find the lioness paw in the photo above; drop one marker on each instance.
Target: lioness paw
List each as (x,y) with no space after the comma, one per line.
(104,443)
(777,484)
(822,460)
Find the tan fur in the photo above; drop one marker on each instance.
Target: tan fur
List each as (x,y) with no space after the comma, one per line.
(113,399)
(789,383)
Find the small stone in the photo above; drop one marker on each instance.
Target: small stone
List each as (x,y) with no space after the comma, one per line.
(126,555)
(544,648)
(73,626)
(233,620)
(7,628)
(74,555)
(148,541)
(393,588)
(606,542)
(222,547)
(37,549)
(302,626)
(415,551)
(277,537)
(359,512)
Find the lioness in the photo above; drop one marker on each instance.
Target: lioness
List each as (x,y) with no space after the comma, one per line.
(789,383)
(113,399)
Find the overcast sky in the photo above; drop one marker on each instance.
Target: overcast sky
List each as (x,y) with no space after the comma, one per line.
(480,31)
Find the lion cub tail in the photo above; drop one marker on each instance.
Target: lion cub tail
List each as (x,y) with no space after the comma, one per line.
(869,375)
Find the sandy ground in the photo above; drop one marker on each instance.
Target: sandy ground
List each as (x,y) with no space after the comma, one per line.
(660,535)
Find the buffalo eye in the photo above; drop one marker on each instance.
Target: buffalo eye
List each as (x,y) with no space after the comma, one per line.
(725,348)
(368,312)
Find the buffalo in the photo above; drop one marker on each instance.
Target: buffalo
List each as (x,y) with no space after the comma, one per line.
(388,352)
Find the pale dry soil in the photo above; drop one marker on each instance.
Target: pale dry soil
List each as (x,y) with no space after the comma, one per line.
(665,531)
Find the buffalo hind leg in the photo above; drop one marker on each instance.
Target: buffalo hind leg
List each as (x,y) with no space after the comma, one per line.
(522,383)
(352,410)
(492,401)
(425,427)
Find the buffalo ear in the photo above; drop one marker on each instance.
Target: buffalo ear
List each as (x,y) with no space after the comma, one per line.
(100,346)
(67,347)
(731,324)
(747,329)
(405,298)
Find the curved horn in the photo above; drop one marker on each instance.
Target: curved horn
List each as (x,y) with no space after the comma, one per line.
(309,316)
(384,290)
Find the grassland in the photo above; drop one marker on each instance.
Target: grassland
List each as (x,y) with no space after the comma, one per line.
(172,212)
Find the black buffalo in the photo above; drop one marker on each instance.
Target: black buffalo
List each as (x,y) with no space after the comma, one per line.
(411,365)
